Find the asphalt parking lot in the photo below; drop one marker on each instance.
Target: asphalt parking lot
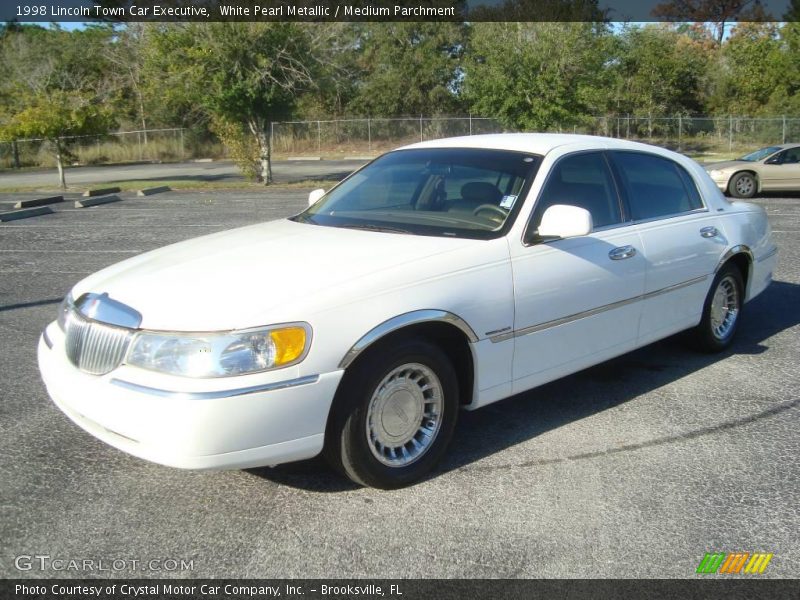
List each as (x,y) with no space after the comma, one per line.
(634,468)
(284,171)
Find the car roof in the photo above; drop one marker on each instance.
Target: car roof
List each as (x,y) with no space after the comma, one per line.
(535,143)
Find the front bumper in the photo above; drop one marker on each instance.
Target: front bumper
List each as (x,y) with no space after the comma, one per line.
(721,181)
(201,429)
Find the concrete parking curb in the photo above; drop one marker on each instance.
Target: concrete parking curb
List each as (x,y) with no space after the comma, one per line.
(100,192)
(96,201)
(39,201)
(153,190)
(25,213)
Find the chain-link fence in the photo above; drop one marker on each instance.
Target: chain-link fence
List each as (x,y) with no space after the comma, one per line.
(348,137)
(730,134)
(119,147)
(369,136)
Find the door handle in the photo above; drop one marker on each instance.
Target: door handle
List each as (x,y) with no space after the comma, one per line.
(709,232)
(622,253)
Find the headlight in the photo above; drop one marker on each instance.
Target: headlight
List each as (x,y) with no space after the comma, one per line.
(220,354)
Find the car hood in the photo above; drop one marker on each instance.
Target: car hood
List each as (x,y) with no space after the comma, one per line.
(231,279)
(727,164)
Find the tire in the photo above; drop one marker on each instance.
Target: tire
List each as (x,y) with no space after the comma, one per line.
(722,311)
(743,185)
(394,415)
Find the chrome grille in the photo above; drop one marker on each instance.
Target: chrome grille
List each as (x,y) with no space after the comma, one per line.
(94,347)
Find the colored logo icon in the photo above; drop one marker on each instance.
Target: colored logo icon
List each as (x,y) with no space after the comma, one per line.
(734,563)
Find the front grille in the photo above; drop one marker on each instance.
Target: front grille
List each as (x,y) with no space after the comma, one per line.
(94,347)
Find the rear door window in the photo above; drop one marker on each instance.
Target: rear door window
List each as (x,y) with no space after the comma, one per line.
(655,186)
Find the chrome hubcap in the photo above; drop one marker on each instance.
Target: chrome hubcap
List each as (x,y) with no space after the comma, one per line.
(724,308)
(404,415)
(745,185)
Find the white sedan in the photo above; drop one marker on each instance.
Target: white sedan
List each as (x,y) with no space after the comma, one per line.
(444,275)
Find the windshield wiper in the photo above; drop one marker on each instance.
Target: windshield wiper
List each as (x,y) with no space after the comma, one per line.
(370,227)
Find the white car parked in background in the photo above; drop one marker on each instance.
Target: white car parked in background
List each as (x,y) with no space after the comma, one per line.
(444,275)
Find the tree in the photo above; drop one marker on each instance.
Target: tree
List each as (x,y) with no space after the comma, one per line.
(55,116)
(537,75)
(125,54)
(409,68)
(719,13)
(49,90)
(659,71)
(337,47)
(246,73)
(751,68)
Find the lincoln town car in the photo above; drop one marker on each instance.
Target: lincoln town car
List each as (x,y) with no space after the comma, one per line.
(440,277)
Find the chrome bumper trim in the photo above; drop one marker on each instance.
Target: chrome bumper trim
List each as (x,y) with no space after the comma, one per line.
(267,387)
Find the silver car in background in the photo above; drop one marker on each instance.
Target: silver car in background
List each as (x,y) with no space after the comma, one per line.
(770,169)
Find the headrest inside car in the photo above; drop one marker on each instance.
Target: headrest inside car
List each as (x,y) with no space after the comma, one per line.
(481,191)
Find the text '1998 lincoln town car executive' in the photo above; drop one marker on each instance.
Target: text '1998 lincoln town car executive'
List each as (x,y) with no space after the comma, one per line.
(444,275)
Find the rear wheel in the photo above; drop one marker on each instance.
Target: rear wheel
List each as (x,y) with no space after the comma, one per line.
(743,185)
(721,312)
(394,415)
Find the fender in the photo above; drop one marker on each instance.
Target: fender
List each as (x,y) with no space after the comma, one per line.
(740,249)
(410,318)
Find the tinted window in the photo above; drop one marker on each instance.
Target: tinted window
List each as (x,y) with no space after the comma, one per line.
(655,186)
(581,180)
(760,154)
(791,156)
(467,192)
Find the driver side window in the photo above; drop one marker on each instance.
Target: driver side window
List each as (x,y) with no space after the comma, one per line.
(582,180)
(791,156)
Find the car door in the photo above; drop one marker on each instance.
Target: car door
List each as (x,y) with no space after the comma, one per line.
(575,299)
(782,171)
(682,241)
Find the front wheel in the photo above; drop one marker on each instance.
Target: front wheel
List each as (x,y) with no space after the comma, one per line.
(394,415)
(721,311)
(743,185)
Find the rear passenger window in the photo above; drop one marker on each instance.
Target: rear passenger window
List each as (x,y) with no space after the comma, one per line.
(582,180)
(656,186)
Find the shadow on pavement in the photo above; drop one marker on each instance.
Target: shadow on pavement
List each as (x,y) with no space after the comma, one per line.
(522,417)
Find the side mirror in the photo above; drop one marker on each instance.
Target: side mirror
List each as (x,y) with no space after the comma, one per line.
(565,221)
(315,195)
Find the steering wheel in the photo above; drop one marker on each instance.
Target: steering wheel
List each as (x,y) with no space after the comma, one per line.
(493,208)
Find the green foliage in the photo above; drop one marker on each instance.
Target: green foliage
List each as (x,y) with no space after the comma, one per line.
(247,73)
(750,69)
(537,75)
(240,145)
(408,69)
(55,115)
(233,78)
(659,71)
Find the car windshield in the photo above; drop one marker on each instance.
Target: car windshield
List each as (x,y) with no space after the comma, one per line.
(458,192)
(760,154)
